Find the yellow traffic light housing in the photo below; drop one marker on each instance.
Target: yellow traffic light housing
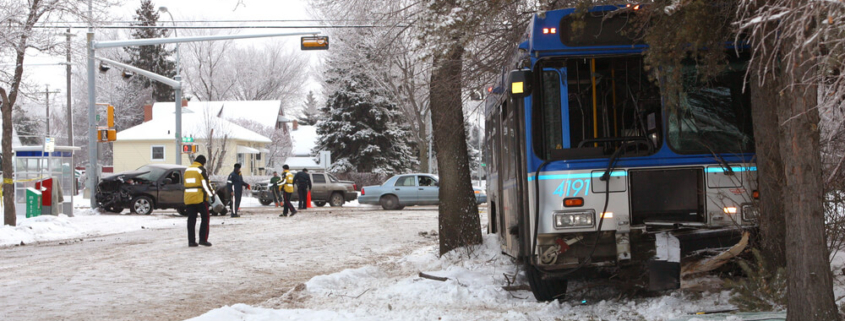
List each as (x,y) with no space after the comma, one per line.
(110,116)
(314,43)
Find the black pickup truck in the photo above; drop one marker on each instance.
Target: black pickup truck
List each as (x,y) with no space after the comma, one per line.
(325,188)
(155,186)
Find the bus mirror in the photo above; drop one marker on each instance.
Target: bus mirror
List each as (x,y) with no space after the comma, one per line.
(520,83)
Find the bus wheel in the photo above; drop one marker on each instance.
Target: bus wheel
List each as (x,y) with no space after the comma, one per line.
(544,290)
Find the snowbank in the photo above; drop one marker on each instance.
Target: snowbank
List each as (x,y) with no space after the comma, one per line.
(393,291)
(85,223)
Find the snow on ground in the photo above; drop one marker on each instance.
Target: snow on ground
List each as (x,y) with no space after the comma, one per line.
(393,291)
(85,223)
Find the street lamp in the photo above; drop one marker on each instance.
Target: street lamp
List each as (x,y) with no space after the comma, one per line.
(177,92)
(176,34)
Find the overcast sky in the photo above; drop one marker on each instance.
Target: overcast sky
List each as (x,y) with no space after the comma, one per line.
(182,10)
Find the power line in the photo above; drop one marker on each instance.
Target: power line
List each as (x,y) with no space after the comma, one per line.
(211,21)
(226,27)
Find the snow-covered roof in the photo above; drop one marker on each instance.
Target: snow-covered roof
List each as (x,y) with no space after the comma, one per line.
(304,140)
(193,124)
(265,112)
(298,163)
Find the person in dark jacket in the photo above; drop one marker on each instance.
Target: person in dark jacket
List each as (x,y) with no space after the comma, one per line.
(303,183)
(235,183)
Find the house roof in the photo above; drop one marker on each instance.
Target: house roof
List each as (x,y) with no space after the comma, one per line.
(304,140)
(193,124)
(265,112)
(298,163)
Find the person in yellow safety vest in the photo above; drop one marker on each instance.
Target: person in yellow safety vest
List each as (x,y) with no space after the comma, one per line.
(198,194)
(287,188)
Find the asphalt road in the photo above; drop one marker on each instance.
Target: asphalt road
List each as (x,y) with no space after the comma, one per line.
(153,275)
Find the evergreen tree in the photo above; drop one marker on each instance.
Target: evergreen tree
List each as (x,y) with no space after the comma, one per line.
(362,126)
(155,58)
(310,113)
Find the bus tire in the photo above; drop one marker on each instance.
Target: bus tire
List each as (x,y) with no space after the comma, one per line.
(544,290)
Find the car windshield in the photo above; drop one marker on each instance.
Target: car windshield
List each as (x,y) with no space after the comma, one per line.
(154,173)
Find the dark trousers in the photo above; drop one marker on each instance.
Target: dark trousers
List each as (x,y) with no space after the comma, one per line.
(236,204)
(303,198)
(288,205)
(193,209)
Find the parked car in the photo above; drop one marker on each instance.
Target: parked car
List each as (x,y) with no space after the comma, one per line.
(155,186)
(407,190)
(325,188)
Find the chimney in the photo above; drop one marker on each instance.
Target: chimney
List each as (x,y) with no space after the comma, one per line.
(295,125)
(184,102)
(148,112)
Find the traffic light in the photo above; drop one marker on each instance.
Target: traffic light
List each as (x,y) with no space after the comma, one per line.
(110,116)
(189,148)
(314,43)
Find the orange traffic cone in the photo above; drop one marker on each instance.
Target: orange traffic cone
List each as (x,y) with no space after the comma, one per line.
(308,203)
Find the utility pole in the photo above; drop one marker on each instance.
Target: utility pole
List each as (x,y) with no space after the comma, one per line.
(92,171)
(69,109)
(47,92)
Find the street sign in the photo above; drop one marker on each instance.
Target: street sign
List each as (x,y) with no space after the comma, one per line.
(49,144)
(97,117)
(187,139)
(483,164)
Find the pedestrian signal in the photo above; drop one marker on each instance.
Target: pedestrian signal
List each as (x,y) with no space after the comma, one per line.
(189,149)
(105,135)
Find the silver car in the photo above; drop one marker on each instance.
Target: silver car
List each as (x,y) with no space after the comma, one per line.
(407,190)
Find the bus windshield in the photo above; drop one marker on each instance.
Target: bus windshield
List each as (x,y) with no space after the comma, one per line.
(712,117)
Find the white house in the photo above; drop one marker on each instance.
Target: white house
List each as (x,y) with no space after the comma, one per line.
(304,139)
(153,141)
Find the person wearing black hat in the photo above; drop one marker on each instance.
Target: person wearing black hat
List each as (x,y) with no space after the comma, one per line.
(303,184)
(287,188)
(196,197)
(235,183)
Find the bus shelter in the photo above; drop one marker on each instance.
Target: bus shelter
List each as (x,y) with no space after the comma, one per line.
(33,166)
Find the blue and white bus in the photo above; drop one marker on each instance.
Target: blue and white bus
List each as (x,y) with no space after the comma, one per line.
(594,168)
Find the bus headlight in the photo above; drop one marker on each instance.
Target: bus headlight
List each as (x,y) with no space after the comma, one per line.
(574,219)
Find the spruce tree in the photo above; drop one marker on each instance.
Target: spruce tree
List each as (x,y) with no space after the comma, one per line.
(154,58)
(362,126)
(310,113)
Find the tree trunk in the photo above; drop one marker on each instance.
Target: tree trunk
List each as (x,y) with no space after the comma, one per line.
(810,294)
(9,216)
(459,222)
(770,177)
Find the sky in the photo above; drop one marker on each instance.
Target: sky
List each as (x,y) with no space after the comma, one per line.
(38,70)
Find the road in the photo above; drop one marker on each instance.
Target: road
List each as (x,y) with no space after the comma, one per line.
(153,275)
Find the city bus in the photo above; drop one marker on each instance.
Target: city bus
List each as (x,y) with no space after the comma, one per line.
(596,168)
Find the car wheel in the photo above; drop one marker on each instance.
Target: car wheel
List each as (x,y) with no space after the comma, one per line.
(182,211)
(336,199)
(320,203)
(142,205)
(400,207)
(265,202)
(544,290)
(389,202)
(114,209)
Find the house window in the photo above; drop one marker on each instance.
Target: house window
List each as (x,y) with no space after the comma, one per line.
(157,153)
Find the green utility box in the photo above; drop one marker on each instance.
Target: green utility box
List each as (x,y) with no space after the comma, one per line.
(33,202)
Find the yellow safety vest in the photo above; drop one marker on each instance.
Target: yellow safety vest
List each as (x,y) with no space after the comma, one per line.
(288,185)
(196,187)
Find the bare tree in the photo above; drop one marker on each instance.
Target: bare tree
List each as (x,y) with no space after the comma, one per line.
(208,66)
(268,73)
(216,134)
